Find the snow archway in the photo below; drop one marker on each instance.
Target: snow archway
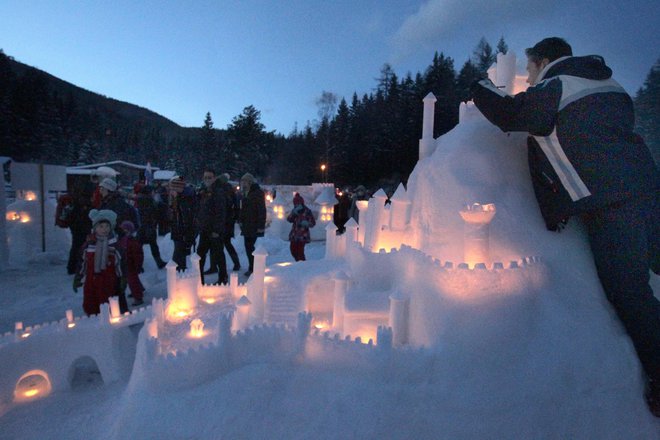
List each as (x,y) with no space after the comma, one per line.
(84,373)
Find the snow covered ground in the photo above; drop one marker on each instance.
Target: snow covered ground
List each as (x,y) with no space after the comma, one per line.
(416,396)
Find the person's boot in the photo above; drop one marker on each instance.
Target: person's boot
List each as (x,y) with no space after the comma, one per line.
(161,264)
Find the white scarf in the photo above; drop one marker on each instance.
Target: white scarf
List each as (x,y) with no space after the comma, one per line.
(101,254)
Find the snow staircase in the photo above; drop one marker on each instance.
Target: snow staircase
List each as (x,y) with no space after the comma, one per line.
(283,303)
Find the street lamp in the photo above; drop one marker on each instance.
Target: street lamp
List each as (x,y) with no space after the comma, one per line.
(323,172)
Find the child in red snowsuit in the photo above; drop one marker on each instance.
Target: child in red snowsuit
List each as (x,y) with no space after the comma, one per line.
(301,219)
(100,272)
(131,248)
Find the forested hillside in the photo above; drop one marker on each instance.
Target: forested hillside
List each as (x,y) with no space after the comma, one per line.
(370,138)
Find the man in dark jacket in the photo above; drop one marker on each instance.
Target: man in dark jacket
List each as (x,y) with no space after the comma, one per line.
(111,199)
(585,160)
(148,210)
(211,219)
(182,210)
(233,209)
(252,217)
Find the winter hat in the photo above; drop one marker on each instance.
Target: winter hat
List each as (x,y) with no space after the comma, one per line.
(108,184)
(127,226)
(177,184)
(247,178)
(298,200)
(103,215)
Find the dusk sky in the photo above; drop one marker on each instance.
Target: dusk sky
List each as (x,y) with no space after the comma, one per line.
(182,59)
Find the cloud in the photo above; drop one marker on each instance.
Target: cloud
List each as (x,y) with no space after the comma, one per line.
(445,20)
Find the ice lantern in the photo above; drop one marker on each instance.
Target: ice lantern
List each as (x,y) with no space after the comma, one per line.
(327,201)
(477,232)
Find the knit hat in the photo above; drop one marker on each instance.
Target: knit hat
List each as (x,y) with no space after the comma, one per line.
(177,184)
(103,215)
(247,178)
(108,184)
(127,226)
(298,200)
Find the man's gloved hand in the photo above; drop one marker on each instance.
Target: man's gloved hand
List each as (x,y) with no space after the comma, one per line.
(558,226)
(77,282)
(215,235)
(304,223)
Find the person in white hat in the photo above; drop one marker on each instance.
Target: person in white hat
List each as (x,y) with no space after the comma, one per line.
(100,273)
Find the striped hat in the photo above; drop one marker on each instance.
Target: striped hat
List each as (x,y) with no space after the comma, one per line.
(177,184)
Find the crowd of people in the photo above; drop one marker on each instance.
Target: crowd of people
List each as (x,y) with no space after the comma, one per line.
(109,228)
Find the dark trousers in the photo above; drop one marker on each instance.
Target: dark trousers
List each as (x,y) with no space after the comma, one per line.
(232,252)
(218,262)
(249,248)
(297,250)
(155,252)
(181,251)
(621,238)
(75,254)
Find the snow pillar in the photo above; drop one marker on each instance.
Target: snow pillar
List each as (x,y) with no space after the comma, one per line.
(256,284)
(399,318)
(375,220)
(476,247)
(114,307)
(399,211)
(330,241)
(363,208)
(427,142)
(506,71)
(351,230)
(384,337)
(178,294)
(233,285)
(341,286)
(242,313)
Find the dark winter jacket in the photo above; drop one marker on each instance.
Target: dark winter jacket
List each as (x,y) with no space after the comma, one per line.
(583,154)
(253,212)
(302,219)
(115,202)
(182,211)
(233,209)
(148,210)
(212,212)
(132,254)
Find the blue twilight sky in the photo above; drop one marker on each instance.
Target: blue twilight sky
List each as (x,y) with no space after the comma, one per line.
(184,58)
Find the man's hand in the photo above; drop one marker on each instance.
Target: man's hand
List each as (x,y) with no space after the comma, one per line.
(215,235)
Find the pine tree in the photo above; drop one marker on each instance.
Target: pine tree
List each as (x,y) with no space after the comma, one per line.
(483,56)
(249,145)
(502,47)
(209,152)
(647,108)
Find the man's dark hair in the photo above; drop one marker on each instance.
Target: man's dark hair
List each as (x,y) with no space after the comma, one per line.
(209,170)
(551,48)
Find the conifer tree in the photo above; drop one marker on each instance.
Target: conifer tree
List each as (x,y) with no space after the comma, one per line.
(502,47)
(483,56)
(647,108)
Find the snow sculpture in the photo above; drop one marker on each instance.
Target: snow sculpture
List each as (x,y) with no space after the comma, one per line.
(427,142)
